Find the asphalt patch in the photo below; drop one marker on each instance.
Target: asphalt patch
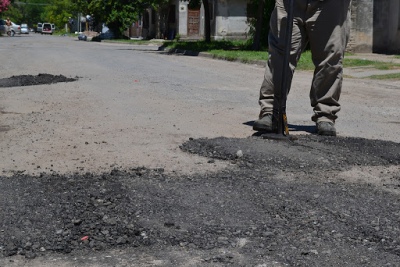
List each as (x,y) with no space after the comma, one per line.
(246,209)
(307,152)
(59,214)
(28,80)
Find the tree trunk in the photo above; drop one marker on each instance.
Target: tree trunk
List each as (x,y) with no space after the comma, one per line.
(161,22)
(158,24)
(256,41)
(207,21)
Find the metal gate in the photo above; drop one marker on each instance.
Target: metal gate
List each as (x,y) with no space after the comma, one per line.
(193,22)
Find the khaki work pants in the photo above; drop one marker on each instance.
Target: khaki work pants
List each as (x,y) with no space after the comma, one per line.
(325,26)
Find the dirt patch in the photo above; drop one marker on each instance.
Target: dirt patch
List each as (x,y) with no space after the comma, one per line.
(27,80)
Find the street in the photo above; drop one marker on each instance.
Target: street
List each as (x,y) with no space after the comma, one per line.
(149,159)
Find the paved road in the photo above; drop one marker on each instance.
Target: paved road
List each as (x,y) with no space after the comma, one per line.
(134,106)
(154,101)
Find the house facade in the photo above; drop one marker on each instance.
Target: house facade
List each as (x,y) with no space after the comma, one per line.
(375,26)
(386,27)
(375,23)
(228,21)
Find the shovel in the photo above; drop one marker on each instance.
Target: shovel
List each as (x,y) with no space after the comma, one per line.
(279,109)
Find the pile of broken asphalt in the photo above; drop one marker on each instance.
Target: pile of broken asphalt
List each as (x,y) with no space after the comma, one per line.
(279,200)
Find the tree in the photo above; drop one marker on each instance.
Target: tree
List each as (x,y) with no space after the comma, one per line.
(13,12)
(258,26)
(207,21)
(118,15)
(58,12)
(4,5)
(259,16)
(162,8)
(34,11)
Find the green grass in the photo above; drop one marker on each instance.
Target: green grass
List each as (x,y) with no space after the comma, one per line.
(353,62)
(228,50)
(241,51)
(392,76)
(305,62)
(202,46)
(240,55)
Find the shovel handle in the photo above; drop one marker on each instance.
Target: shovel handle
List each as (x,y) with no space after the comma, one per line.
(281,116)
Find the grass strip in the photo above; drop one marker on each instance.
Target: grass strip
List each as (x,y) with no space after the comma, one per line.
(391,76)
(241,51)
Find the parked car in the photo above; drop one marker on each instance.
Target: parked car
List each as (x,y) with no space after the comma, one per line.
(15,28)
(47,29)
(24,28)
(39,27)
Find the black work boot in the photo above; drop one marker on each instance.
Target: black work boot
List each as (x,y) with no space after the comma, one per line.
(326,128)
(265,124)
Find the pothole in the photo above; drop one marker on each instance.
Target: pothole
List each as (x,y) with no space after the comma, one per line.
(27,80)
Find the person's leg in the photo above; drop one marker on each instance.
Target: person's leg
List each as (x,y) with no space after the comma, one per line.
(328,28)
(276,49)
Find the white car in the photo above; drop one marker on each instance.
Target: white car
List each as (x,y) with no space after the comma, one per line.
(47,28)
(14,28)
(24,29)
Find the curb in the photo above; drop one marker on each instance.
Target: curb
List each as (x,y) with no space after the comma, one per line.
(208,55)
(352,72)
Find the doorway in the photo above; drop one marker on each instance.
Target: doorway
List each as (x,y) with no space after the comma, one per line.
(193,22)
